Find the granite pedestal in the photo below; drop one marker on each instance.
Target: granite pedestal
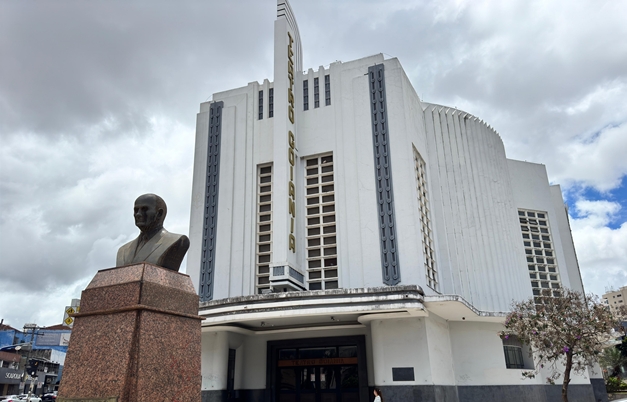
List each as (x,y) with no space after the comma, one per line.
(136,339)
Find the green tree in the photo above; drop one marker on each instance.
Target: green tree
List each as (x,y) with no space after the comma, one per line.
(621,314)
(612,358)
(566,331)
(623,347)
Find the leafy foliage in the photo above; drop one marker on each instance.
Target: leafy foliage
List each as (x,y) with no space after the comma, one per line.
(612,358)
(614,384)
(623,347)
(568,329)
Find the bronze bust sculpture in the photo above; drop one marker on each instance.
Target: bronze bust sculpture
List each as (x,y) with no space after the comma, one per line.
(154,244)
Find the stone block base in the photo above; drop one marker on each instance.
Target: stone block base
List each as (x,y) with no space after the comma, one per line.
(137,338)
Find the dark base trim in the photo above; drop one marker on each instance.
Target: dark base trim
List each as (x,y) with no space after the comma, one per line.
(451,393)
(525,393)
(247,395)
(600,392)
(422,393)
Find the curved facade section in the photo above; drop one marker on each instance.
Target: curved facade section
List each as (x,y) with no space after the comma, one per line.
(475,211)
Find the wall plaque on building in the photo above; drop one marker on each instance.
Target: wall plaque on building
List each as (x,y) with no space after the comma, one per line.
(403,374)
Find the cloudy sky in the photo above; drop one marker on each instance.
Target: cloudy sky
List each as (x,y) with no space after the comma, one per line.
(98,102)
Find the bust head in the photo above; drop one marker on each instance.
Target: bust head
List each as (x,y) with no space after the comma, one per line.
(149,211)
(154,245)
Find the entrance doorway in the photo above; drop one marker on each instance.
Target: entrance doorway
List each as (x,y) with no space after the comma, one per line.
(318,370)
(318,384)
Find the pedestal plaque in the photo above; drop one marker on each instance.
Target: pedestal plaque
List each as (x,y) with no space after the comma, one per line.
(137,338)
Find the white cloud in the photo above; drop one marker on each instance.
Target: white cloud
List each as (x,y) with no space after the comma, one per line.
(76,208)
(601,250)
(35,306)
(599,161)
(594,214)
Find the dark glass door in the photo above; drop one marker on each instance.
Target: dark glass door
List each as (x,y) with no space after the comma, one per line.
(288,378)
(318,384)
(318,370)
(328,383)
(309,384)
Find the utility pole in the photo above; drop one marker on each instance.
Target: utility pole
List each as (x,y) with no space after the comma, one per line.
(33,328)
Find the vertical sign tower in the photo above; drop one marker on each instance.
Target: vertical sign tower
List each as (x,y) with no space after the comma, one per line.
(287,74)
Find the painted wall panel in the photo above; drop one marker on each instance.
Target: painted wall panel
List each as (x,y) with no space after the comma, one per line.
(440,351)
(478,356)
(214,360)
(400,343)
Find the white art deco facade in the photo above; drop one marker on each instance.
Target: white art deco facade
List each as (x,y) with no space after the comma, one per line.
(347,235)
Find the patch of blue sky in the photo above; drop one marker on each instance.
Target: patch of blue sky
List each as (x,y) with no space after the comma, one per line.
(617,195)
(594,136)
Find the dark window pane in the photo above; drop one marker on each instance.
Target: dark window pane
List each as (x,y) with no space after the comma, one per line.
(315,274)
(287,354)
(317,353)
(349,376)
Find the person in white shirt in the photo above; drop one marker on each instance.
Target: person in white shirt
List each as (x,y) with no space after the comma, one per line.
(377,395)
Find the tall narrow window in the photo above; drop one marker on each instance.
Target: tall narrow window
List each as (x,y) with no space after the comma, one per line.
(539,251)
(425,221)
(512,348)
(260,105)
(230,375)
(327,90)
(321,255)
(270,102)
(316,93)
(517,354)
(264,228)
(305,94)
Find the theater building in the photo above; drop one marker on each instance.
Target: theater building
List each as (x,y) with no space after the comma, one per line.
(347,235)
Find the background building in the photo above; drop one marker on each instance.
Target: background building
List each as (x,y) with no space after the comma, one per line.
(45,345)
(10,369)
(616,298)
(345,235)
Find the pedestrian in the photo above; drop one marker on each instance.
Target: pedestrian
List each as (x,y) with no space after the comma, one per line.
(377,395)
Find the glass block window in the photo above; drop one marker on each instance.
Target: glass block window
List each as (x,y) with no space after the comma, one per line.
(425,221)
(271,102)
(321,251)
(305,94)
(264,228)
(539,251)
(316,92)
(260,105)
(327,90)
